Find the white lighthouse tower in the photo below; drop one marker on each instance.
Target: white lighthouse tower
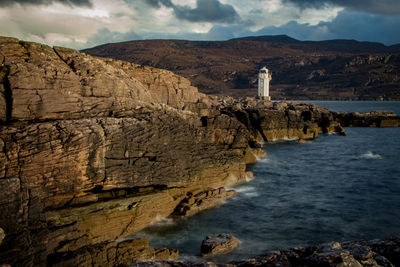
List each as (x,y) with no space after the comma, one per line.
(264,77)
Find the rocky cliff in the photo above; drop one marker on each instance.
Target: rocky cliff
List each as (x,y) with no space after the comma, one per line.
(93,150)
(326,70)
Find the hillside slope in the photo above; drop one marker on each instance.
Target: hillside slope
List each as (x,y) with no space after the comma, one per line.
(336,69)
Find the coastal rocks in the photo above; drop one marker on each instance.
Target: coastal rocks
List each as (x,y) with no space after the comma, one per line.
(351,253)
(112,254)
(283,120)
(41,83)
(368,119)
(91,152)
(384,252)
(221,244)
(74,183)
(198,201)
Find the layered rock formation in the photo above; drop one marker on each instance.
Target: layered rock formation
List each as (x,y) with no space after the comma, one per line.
(93,150)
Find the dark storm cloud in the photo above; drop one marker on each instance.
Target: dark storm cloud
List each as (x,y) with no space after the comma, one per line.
(384,7)
(347,25)
(158,3)
(205,11)
(45,2)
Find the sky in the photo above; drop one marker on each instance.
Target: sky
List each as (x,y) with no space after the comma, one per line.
(86,23)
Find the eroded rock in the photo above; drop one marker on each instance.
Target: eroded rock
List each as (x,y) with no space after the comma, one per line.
(221,244)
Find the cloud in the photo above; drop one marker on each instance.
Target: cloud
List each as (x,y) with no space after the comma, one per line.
(205,11)
(158,3)
(73,23)
(347,25)
(4,3)
(384,7)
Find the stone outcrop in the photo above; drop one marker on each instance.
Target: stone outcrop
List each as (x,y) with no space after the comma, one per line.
(368,119)
(43,83)
(271,121)
(93,150)
(221,244)
(384,252)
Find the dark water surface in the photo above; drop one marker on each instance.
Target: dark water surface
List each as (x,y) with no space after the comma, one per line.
(335,188)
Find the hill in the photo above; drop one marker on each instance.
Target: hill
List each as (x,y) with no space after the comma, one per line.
(335,69)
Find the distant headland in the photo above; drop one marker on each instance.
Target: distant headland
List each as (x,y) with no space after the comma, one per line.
(318,70)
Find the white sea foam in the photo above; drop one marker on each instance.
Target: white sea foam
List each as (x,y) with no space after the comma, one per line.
(162,221)
(370,155)
(251,194)
(244,189)
(266,159)
(247,191)
(249,176)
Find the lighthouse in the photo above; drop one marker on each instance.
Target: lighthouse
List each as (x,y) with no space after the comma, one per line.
(264,77)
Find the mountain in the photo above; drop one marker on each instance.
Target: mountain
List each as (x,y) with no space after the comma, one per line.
(334,69)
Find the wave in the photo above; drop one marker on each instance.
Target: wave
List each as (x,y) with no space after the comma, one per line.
(370,155)
(161,222)
(247,191)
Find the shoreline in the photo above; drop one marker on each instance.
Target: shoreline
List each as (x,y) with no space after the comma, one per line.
(376,252)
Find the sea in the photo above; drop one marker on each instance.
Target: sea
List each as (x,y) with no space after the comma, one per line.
(334,188)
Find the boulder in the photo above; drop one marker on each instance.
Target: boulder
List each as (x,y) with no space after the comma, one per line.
(221,244)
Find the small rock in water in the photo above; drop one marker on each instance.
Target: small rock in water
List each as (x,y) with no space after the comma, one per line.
(220,244)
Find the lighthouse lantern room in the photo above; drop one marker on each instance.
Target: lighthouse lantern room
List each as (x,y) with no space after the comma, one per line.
(264,77)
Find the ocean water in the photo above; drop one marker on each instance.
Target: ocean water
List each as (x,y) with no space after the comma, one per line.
(334,188)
